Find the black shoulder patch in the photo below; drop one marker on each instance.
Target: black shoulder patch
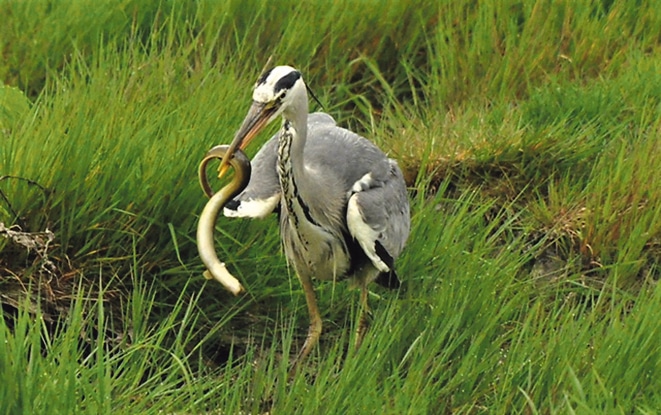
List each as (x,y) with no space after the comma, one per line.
(232,204)
(287,81)
(263,76)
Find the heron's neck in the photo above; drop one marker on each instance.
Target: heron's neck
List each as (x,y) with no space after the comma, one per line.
(291,166)
(292,138)
(295,122)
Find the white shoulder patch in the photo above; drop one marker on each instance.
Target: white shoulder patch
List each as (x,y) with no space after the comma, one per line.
(361,184)
(363,232)
(258,208)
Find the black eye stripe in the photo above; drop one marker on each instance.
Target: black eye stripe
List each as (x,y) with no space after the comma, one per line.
(287,81)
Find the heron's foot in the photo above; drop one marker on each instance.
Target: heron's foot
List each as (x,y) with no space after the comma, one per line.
(314,332)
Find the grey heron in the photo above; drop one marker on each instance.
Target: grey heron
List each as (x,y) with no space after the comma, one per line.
(343,204)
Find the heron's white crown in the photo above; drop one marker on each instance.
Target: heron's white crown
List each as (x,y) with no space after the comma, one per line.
(276,83)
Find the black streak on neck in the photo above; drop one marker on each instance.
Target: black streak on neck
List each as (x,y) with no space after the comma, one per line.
(286,142)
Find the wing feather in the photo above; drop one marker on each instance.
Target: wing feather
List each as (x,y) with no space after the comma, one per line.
(378,216)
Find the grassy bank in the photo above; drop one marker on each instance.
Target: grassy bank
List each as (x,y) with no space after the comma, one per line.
(529,133)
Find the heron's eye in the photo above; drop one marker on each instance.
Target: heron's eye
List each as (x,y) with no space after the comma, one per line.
(278,99)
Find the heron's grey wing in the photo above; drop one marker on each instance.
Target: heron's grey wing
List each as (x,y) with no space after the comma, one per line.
(377,208)
(378,216)
(262,195)
(316,119)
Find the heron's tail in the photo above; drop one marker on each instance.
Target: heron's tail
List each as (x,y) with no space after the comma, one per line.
(388,279)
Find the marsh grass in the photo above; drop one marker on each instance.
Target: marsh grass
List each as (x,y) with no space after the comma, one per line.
(529,136)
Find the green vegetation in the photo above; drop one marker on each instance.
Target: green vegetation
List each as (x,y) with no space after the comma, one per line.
(530,134)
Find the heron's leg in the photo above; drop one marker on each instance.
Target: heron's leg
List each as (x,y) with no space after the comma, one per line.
(363,321)
(314,331)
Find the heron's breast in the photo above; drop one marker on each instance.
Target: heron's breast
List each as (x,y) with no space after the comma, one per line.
(312,250)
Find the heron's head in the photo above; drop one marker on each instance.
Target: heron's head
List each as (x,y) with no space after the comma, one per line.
(277,91)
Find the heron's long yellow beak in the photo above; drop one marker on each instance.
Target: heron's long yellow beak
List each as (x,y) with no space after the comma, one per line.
(258,117)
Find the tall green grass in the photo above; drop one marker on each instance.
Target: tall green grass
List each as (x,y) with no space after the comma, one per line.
(469,334)
(529,135)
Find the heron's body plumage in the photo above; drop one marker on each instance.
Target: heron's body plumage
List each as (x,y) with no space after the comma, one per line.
(342,166)
(343,205)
